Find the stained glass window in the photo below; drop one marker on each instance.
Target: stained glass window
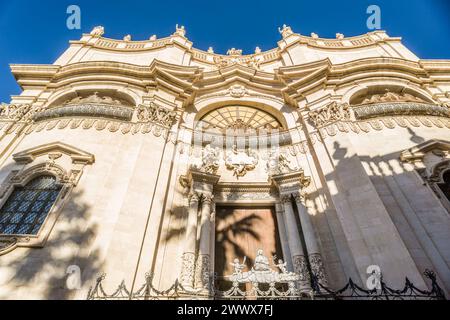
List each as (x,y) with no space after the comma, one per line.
(239,117)
(27,207)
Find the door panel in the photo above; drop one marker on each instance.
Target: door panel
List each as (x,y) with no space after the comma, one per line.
(240,232)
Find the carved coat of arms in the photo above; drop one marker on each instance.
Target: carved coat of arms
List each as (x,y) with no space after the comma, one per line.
(240,161)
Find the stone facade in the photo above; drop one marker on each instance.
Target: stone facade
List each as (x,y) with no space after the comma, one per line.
(361,129)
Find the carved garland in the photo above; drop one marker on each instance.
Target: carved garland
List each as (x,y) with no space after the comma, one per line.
(150,119)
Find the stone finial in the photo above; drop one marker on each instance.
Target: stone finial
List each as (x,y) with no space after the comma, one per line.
(98,31)
(314,35)
(153,37)
(257,50)
(127,38)
(210,50)
(285,31)
(339,36)
(181,31)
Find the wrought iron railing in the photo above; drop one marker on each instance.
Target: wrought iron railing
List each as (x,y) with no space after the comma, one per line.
(350,291)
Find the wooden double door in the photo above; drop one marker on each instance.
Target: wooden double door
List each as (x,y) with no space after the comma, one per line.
(240,232)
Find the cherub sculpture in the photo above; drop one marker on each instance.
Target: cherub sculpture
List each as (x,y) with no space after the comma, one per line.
(238,267)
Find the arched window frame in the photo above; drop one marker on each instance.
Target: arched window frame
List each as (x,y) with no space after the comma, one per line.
(46,160)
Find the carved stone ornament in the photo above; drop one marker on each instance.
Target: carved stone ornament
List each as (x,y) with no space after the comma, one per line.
(317,268)
(251,61)
(261,272)
(237,91)
(234,52)
(7,244)
(278,164)
(156,114)
(330,113)
(180,31)
(13,112)
(98,31)
(396,109)
(301,267)
(94,98)
(285,31)
(202,272)
(188,269)
(391,97)
(209,162)
(241,162)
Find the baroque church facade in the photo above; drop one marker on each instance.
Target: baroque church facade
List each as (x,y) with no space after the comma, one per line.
(320,159)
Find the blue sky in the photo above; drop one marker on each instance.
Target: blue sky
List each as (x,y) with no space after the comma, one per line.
(36,32)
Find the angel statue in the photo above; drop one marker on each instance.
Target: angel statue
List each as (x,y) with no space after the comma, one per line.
(280,265)
(238,267)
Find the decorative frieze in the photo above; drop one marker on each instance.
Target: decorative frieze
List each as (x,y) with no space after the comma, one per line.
(156,114)
(330,113)
(13,112)
(389,96)
(187,269)
(301,268)
(202,272)
(317,268)
(278,163)
(226,192)
(396,109)
(86,110)
(209,162)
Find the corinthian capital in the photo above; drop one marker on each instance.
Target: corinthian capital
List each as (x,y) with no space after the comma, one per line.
(194,197)
(207,198)
(286,198)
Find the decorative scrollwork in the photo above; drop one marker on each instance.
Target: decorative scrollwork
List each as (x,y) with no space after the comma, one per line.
(14,112)
(317,268)
(241,162)
(202,272)
(188,269)
(330,113)
(156,114)
(320,292)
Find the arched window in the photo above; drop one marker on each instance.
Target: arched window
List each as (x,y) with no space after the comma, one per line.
(445,187)
(27,207)
(236,117)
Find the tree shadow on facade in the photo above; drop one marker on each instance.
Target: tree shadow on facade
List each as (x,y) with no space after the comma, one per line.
(401,195)
(225,237)
(46,270)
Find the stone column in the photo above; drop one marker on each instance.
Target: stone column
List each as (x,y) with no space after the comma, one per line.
(202,271)
(188,259)
(295,244)
(312,246)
